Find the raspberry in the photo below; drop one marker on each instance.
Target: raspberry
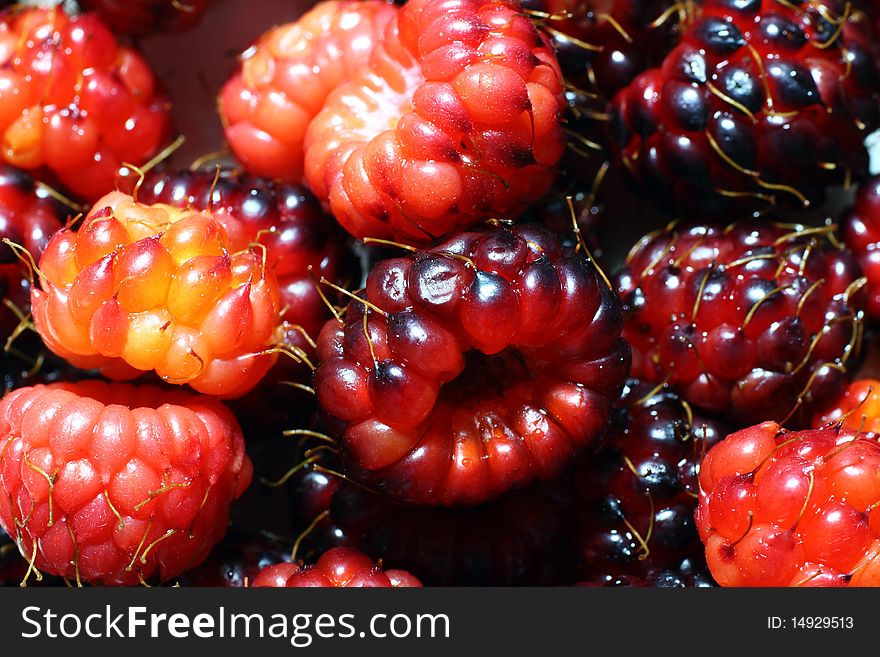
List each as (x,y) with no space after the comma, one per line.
(861,232)
(603,44)
(474,366)
(456,118)
(75,104)
(114,484)
(637,496)
(286,76)
(337,568)
(142,17)
(525,538)
(857,408)
(763,103)
(792,508)
(150,287)
(286,219)
(751,320)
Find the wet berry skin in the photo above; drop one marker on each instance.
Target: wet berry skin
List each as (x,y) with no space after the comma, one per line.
(637,495)
(472,367)
(143,17)
(860,229)
(76,105)
(336,568)
(525,538)
(792,508)
(143,287)
(762,104)
(752,321)
(236,561)
(856,408)
(115,484)
(687,574)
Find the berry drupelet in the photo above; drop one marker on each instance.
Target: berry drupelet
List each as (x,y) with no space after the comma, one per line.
(474,366)
(752,320)
(860,229)
(763,103)
(143,17)
(636,497)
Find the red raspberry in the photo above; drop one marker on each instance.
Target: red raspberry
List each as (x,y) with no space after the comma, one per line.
(142,17)
(114,484)
(141,287)
(73,101)
(525,538)
(286,76)
(636,497)
(302,243)
(456,118)
(749,320)
(861,232)
(603,44)
(477,365)
(763,103)
(857,408)
(337,568)
(792,508)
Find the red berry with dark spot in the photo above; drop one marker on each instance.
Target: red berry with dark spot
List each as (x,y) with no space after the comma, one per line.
(337,568)
(792,508)
(477,365)
(636,497)
(752,320)
(456,118)
(74,103)
(142,17)
(763,103)
(115,484)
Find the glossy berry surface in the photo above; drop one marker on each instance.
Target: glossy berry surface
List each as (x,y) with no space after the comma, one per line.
(114,484)
(455,119)
(236,561)
(752,320)
(286,219)
(603,44)
(75,104)
(286,76)
(857,408)
(151,287)
(636,497)
(688,574)
(860,229)
(792,508)
(336,568)
(525,538)
(763,103)
(143,17)
(477,365)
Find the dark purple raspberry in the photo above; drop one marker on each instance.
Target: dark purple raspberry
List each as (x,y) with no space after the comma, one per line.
(751,320)
(763,103)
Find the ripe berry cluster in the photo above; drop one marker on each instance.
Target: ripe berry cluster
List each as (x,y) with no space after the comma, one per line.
(374,345)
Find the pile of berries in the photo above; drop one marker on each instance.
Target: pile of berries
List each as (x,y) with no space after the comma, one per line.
(373,345)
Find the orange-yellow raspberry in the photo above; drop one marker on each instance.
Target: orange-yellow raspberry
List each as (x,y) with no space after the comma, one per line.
(152,287)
